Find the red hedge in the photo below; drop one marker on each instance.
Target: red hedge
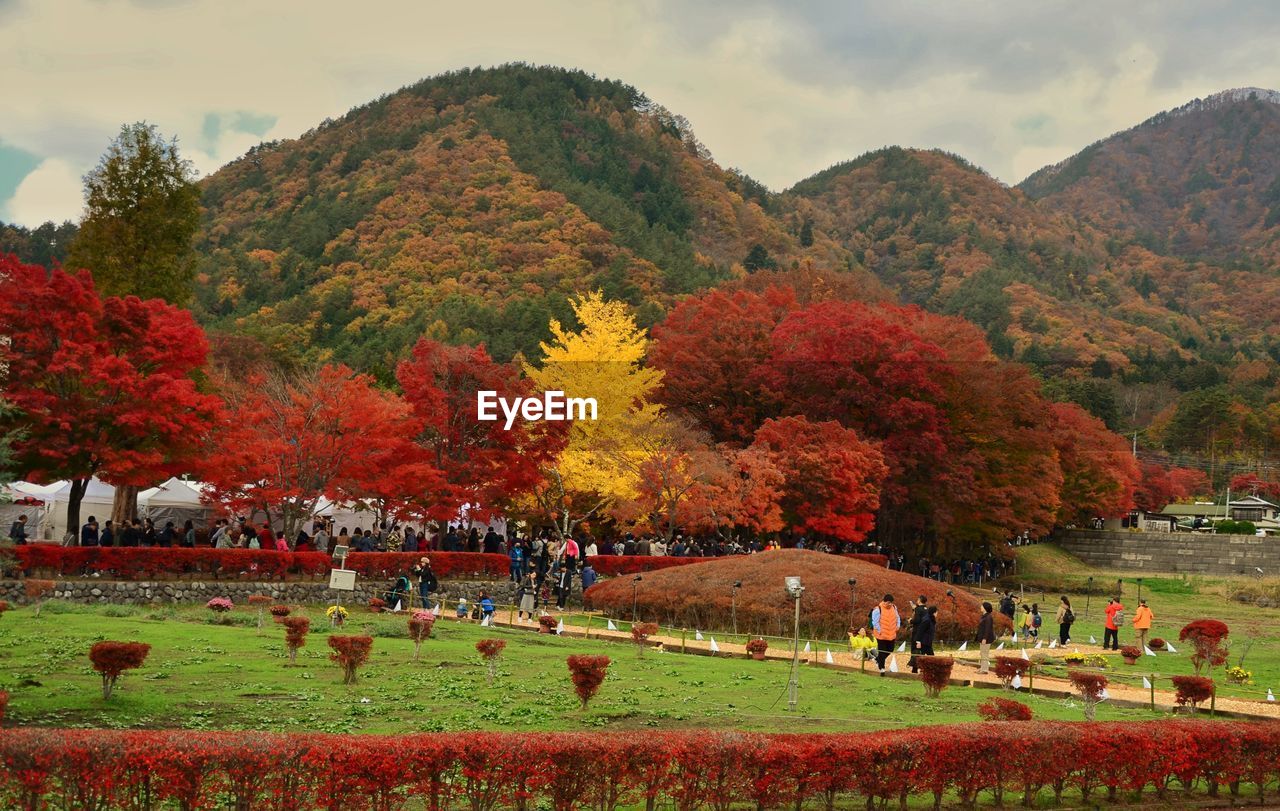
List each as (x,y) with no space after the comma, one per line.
(71,768)
(1004,709)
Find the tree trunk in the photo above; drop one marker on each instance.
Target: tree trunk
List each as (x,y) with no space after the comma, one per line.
(78,487)
(124,508)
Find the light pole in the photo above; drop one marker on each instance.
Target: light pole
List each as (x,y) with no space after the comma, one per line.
(635,583)
(1087,594)
(733,604)
(794,590)
(853,602)
(1139,589)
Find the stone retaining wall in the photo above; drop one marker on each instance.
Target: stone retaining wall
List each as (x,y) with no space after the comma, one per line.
(1174,552)
(140,592)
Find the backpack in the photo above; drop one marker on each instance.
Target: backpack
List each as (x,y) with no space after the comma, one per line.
(1068,617)
(1035,620)
(1118,619)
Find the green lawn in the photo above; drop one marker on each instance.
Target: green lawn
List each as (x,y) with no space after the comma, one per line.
(211,676)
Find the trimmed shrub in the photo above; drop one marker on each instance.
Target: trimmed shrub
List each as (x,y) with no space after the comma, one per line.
(757,645)
(1009,666)
(37,590)
(1130,652)
(548,623)
(640,633)
(295,635)
(261,601)
(1192,690)
(420,625)
(935,672)
(4,704)
(1003,709)
(1157,643)
(113,658)
(491,650)
(588,674)
(280,611)
(1207,637)
(219,605)
(1091,687)
(350,652)
(377,605)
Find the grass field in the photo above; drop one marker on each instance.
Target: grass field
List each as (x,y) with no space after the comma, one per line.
(211,676)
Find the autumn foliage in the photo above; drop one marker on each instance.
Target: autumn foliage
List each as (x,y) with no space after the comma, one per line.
(640,633)
(1207,636)
(1007,667)
(111,659)
(69,768)
(1004,709)
(295,635)
(588,673)
(420,624)
(1192,690)
(350,652)
(701,596)
(491,650)
(1090,686)
(37,590)
(935,672)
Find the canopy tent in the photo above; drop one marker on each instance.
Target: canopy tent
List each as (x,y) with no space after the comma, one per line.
(344,516)
(177,501)
(97,500)
(23,498)
(469,518)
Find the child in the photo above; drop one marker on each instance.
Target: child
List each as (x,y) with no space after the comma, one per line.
(462,608)
(486,606)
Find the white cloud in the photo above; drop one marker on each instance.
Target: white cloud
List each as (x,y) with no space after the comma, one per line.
(52,191)
(777,89)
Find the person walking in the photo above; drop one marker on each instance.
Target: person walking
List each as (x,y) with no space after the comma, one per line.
(527,596)
(1064,619)
(922,637)
(427,582)
(18,531)
(1111,629)
(89,532)
(1142,619)
(985,638)
(885,623)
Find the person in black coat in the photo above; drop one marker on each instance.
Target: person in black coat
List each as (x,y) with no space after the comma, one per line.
(922,634)
(89,532)
(986,636)
(427,582)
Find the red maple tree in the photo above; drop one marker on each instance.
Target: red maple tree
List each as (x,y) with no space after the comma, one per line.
(1099,472)
(101,387)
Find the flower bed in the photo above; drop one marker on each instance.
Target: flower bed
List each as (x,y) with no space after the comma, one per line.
(71,768)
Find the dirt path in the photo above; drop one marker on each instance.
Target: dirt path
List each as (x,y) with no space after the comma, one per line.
(965,672)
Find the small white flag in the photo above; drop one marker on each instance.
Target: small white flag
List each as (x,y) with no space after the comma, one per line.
(1017,681)
(830,660)
(902,647)
(1103,696)
(1015,636)
(1093,640)
(1000,646)
(806,646)
(1053,643)
(893,664)
(487,621)
(560,627)
(714,647)
(1270,695)
(1171,648)
(436,611)
(612,627)
(964,645)
(697,635)
(1039,644)
(1024,655)
(1146,683)
(1147,650)
(397,608)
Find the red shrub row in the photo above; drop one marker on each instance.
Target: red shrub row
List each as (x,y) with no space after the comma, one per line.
(48,768)
(152,563)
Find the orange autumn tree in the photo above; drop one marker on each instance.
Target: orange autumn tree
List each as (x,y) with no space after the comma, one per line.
(1099,471)
(290,439)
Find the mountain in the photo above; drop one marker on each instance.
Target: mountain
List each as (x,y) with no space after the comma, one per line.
(1201,181)
(469,207)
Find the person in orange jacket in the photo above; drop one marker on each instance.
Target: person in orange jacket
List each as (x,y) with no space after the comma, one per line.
(885,622)
(1142,619)
(1111,629)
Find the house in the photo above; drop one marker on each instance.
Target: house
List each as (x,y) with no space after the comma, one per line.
(1143,521)
(1261,513)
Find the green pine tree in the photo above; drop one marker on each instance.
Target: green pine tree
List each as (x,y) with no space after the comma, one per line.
(142,211)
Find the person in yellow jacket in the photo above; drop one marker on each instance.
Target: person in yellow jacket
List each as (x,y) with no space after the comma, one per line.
(1142,619)
(885,622)
(861,644)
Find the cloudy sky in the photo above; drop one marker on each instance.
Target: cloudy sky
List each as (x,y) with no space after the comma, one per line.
(778,88)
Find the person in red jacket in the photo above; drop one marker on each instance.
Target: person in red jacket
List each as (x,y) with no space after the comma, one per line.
(1111,631)
(266,538)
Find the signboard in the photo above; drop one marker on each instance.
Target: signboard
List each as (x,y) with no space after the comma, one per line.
(342,580)
(340,554)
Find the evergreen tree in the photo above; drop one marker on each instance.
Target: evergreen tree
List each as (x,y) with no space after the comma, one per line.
(758,259)
(806,233)
(142,209)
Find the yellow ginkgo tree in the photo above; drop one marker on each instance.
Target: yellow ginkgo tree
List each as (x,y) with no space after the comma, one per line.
(603,361)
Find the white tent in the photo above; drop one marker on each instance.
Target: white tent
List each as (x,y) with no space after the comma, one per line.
(175,500)
(344,516)
(97,501)
(23,498)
